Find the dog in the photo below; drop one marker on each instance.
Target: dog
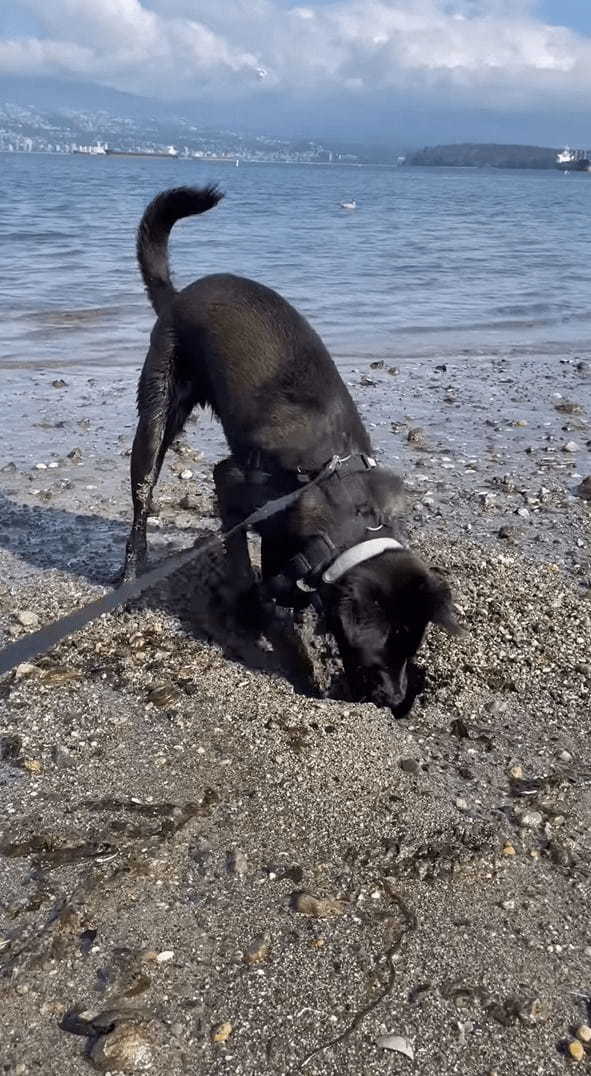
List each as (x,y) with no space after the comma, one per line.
(239,348)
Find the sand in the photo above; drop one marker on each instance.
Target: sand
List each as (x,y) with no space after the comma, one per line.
(171,797)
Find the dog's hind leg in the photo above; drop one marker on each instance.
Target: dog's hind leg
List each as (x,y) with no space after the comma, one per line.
(234,506)
(164,404)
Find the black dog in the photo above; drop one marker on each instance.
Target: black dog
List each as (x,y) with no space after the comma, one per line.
(228,343)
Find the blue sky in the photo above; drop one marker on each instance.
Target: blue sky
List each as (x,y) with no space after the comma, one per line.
(374,61)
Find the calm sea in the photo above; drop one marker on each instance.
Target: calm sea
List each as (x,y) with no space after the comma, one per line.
(433,261)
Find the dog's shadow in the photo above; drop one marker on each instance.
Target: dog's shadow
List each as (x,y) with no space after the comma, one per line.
(201,596)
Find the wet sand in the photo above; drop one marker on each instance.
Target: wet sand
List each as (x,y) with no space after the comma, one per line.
(168,789)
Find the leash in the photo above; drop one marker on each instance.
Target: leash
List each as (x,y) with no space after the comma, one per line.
(39,642)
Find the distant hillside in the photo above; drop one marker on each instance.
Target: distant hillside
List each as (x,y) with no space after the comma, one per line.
(477,155)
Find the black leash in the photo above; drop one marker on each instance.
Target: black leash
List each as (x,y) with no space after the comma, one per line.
(39,642)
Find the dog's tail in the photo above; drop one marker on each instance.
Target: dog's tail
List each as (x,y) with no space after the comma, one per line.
(154,230)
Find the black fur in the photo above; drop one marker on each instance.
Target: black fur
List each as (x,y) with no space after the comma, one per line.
(236,346)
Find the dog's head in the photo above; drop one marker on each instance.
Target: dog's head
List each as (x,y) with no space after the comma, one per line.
(379,612)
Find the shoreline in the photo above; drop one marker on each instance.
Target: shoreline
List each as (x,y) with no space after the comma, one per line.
(166,794)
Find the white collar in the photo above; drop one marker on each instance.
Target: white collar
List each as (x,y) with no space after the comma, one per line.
(357,555)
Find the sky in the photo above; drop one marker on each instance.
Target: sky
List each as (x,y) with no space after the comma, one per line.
(356,65)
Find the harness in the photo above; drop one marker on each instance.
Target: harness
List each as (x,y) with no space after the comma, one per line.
(322,560)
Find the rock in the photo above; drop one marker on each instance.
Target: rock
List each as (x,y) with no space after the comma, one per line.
(26,669)
(508,533)
(531,820)
(165,956)
(124,1049)
(523,513)
(393,370)
(461,803)
(509,850)
(318,908)
(583,1033)
(40,467)
(189,502)
(396,1043)
(33,766)
(570,446)
(237,863)
(165,694)
(416,436)
(575,1051)
(61,756)
(583,490)
(59,383)
(516,772)
(75,455)
(9,468)
(409,765)
(532,1011)
(258,950)
(567,407)
(27,618)
(221,1032)
(583,367)
(487,500)
(377,365)
(186,474)
(10,747)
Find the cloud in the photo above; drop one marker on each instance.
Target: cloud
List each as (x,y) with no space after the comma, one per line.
(493,51)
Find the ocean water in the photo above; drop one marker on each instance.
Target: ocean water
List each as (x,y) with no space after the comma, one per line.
(432,262)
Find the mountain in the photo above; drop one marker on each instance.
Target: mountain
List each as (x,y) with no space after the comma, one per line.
(58,127)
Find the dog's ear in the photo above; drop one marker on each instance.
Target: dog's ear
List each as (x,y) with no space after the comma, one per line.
(443,613)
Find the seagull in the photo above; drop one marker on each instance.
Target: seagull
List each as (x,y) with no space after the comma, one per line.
(348,205)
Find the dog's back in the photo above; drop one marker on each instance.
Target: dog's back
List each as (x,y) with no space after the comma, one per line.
(246,352)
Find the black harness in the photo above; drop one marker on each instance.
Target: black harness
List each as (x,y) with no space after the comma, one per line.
(298,583)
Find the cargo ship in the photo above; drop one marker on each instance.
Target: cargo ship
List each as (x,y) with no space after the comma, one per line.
(170,152)
(103,151)
(573,160)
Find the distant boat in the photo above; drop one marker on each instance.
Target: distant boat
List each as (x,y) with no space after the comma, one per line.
(348,205)
(571,160)
(171,152)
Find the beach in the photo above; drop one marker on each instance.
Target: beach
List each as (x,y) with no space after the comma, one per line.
(206,868)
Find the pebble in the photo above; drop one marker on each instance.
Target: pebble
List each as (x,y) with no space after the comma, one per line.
(533,1011)
(416,436)
(165,956)
(11,746)
(461,803)
(398,1044)
(409,765)
(523,513)
(186,474)
(575,1051)
(163,695)
(9,468)
(583,490)
(258,950)
(59,383)
(221,1032)
(509,850)
(237,863)
(531,819)
(583,1034)
(570,446)
(318,908)
(40,467)
(25,669)
(516,771)
(125,1049)
(27,618)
